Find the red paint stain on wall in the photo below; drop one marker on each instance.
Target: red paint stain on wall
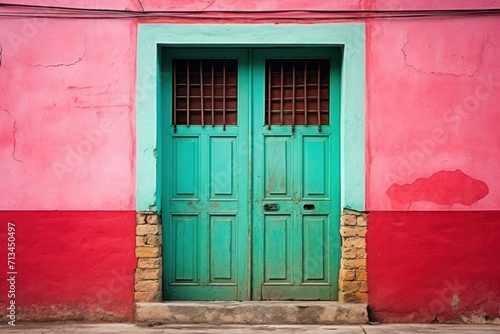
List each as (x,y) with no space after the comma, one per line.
(71,265)
(443,187)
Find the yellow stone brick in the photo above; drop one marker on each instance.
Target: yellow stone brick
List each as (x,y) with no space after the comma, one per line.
(354,242)
(348,220)
(349,286)
(348,231)
(363,287)
(140,218)
(146,230)
(140,241)
(361,231)
(147,296)
(354,264)
(152,219)
(361,275)
(360,253)
(349,253)
(153,240)
(347,275)
(353,297)
(148,263)
(147,286)
(147,274)
(361,220)
(146,251)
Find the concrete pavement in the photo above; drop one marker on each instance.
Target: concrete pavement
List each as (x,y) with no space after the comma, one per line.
(69,328)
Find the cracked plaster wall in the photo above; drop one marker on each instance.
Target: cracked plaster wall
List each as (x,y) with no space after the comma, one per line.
(66,114)
(432,108)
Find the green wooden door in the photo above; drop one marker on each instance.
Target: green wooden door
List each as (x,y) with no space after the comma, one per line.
(296,175)
(205,211)
(250,212)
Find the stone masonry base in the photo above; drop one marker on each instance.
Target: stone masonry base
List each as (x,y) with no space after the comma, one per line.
(352,278)
(148,273)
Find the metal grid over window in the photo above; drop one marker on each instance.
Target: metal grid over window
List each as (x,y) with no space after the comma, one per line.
(297,92)
(205,92)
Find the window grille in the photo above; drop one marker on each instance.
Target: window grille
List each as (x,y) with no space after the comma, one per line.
(205,92)
(297,92)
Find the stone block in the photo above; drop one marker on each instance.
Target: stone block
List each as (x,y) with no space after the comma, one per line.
(147,296)
(148,263)
(361,275)
(140,241)
(152,219)
(347,275)
(354,242)
(349,286)
(353,297)
(147,274)
(353,264)
(361,220)
(146,230)
(145,251)
(153,240)
(147,286)
(349,253)
(140,218)
(348,220)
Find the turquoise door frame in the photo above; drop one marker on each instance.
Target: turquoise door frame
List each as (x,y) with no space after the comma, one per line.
(153,37)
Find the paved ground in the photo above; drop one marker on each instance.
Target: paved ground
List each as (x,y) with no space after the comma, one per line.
(260,329)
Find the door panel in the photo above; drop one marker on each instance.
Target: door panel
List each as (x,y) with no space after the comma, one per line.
(205,210)
(296,200)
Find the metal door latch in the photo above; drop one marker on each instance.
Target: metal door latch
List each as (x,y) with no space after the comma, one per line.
(271,207)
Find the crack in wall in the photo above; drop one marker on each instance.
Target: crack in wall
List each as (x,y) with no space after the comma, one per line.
(478,65)
(69,64)
(14,143)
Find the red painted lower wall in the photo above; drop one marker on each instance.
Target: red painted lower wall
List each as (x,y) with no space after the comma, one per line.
(75,265)
(434,266)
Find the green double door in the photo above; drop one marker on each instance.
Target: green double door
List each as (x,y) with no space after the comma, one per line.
(251,203)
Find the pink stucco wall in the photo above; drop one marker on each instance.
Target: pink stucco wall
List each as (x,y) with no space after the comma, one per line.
(67,114)
(432,106)
(67,143)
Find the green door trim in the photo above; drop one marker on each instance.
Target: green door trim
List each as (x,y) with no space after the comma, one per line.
(151,37)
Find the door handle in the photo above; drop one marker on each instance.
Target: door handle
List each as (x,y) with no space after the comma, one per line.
(271,207)
(309,207)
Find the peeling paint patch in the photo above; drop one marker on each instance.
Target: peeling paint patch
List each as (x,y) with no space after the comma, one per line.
(443,187)
(431,54)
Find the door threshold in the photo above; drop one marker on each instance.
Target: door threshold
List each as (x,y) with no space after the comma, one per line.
(252,312)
